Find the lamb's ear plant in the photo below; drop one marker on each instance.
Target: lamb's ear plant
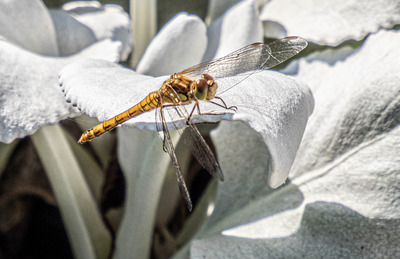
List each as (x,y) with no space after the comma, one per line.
(35,43)
(270,105)
(88,235)
(343,174)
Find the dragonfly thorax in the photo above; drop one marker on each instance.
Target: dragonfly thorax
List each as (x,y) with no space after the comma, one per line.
(188,89)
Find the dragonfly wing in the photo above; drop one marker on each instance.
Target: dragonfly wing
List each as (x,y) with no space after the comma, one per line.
(201,151)
(194,141)
(169,148)
(252,57)
(160,128)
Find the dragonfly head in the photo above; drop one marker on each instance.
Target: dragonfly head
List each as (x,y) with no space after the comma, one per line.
(206,87)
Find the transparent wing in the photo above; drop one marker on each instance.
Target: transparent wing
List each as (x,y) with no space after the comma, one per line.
(252,57)
(195,141)
(201,151)
(169,148)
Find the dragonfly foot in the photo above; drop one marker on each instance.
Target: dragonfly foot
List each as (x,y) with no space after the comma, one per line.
(233,108)
(223,105)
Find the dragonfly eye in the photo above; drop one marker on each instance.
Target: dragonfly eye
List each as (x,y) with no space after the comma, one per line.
(202,85)
(201,89)
(207,77)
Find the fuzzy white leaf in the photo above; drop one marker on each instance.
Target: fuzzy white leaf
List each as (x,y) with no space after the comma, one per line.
(332,22)
(82,25)
(30,96)
(174,48)
(238,27)
(102,89)
(345,179)
(216,8)
(28,24)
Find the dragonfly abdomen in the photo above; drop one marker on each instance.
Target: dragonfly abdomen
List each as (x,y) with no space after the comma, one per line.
(150,102)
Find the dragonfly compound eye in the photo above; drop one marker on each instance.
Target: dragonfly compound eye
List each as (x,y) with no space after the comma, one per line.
(202,85)
(207,77)
(201,89)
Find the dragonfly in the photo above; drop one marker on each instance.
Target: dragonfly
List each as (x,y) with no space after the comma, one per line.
(195,84)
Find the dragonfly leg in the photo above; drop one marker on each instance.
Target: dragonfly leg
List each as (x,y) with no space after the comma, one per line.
(223,105)
(196,105)
(160,118)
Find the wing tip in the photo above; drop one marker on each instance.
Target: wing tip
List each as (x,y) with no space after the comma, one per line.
(295,40)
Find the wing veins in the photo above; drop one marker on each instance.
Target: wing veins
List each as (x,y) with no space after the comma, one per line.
(169,148)
(196,143)
(252,57)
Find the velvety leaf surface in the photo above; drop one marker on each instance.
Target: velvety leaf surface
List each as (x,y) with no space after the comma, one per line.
(180,44)
(239,26)
(83,23)
(103,89)
(273,105)
(332,22)
(28,24)
(30,97)
(87,85)
(343,199)
(174,48)
(216,8)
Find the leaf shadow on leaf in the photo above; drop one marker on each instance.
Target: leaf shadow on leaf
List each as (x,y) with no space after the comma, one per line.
(245,195)
(328,229)
(67,42)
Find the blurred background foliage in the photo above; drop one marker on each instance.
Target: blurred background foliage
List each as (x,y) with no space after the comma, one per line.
(166,9)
